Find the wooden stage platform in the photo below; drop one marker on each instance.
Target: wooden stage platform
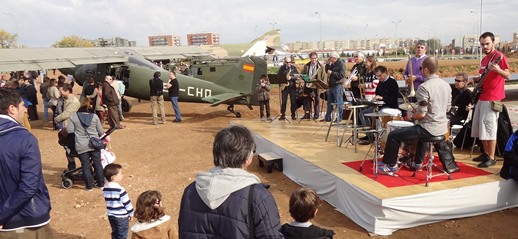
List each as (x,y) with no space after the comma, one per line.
(311,161)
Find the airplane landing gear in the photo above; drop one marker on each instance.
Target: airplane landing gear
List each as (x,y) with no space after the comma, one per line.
(231,109)
(126,107)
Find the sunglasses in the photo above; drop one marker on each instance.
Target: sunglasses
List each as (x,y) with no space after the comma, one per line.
(459,81)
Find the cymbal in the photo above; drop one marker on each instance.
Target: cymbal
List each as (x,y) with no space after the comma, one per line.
(408,106)
(377,114)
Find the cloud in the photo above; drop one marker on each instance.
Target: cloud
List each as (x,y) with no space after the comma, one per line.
(41,23)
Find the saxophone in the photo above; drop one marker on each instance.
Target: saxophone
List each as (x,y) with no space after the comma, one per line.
(288,78)
(410,74)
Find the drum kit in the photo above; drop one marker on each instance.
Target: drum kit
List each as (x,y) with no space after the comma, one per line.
(386,121)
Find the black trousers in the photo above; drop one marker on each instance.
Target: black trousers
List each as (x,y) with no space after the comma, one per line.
(265,104)
(293,100)
(312,96)
(417,132)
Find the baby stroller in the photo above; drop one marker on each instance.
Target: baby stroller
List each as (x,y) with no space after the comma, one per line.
(68,142)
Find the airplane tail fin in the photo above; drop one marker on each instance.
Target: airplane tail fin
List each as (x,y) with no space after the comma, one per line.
(257,49)
(244,77)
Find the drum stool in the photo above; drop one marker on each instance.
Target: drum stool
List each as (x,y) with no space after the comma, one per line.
(430,164)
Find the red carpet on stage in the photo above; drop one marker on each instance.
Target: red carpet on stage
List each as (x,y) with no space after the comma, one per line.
(405,175)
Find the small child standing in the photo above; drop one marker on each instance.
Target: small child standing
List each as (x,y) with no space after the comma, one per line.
(120,210)
(262,89)
(304,204)
(152,221)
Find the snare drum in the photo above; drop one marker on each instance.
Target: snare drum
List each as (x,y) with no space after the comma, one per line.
(395,114)
(393,125)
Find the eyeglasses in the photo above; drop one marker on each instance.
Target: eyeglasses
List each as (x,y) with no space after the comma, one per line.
(313,58)
(355,56)
(459,81)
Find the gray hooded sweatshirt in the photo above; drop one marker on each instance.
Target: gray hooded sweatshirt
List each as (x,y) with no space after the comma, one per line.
(216,185)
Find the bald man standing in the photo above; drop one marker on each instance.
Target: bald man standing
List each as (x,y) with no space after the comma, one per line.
(288,71)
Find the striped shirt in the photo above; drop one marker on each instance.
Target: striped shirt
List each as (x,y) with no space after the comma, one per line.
(117,200)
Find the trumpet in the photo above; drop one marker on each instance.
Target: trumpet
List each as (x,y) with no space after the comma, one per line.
(410,74)
(350,78)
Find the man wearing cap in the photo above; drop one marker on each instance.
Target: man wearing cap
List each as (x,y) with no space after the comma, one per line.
(416,61)
(336,73)
(288,71)
(359,69)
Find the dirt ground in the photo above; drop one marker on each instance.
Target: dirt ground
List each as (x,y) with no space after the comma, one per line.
(166,158)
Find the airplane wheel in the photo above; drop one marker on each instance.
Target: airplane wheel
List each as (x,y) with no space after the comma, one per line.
(67,183)
(126,107)
(238,115)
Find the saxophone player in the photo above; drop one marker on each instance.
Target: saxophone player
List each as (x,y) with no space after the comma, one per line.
(413,74)
(288,71)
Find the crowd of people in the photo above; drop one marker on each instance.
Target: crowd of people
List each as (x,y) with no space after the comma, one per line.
(434,107)
(227,201)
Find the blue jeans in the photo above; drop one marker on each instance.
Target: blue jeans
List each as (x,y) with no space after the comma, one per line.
(46,109)
(89,159)
(119,226)
(174,101)
(335,95)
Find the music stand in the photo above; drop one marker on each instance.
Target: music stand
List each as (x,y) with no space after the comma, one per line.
(308,97)
(275,79)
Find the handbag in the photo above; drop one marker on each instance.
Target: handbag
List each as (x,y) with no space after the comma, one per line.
(96,143)
(497,106)
(93,142)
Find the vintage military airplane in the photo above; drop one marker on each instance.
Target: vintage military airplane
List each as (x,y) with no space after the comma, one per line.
(236,86)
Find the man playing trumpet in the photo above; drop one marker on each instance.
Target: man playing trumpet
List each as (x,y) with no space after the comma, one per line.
(359,70)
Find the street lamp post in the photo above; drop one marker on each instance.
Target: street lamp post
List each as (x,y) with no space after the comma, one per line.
(460,39)
(16,22)
(480,29)
(478,22)
(397,45)
(365,39)
(111,29)
(434,42)
(350,37)
(321,42)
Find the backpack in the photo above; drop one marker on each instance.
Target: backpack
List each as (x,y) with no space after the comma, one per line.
(510,166)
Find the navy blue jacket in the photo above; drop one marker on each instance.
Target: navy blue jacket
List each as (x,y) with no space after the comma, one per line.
(24,198)
(230,219)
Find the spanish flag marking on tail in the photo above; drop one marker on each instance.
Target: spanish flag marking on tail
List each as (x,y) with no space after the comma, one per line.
(248,68)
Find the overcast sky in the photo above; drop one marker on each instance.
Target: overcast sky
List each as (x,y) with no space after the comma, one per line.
(40,23)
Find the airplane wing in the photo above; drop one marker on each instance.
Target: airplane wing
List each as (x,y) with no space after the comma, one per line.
(225,98)
(19,59)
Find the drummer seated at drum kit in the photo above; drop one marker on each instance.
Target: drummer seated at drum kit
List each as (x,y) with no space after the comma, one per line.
(387,92)
(434,100)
